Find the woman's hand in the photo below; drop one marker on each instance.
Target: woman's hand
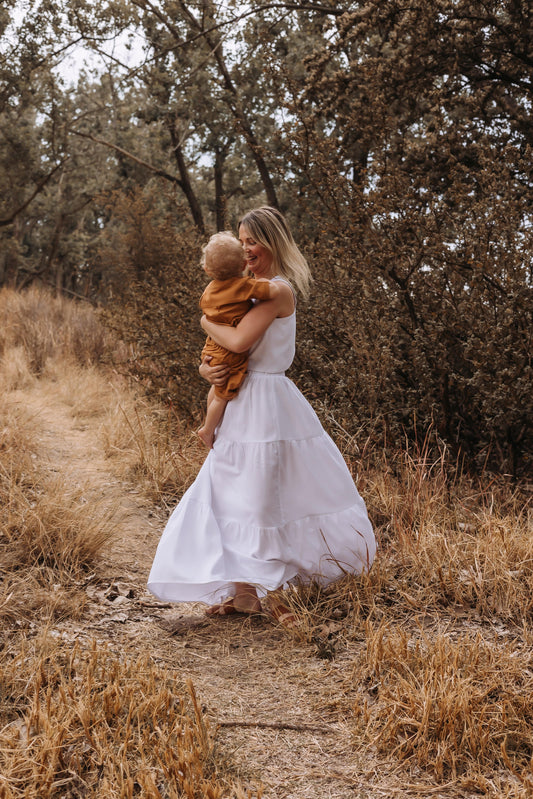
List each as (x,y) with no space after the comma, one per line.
(216,375)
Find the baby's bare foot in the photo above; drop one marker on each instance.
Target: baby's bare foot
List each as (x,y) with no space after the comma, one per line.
(207,438)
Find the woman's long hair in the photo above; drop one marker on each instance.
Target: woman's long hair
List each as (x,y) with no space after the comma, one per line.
(268,227)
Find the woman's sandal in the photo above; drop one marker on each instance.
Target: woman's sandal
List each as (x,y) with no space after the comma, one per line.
(283,615)
(227,608)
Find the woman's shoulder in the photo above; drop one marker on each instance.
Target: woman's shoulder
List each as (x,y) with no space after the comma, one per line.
(287,298)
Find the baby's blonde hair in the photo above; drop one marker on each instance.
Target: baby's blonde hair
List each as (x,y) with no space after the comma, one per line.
(223,255)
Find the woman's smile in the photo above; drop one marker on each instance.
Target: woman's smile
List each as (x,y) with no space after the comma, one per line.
(258,258)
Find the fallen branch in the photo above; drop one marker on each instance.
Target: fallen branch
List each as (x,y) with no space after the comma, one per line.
(276,725)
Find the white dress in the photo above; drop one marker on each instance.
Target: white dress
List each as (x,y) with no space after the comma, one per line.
(274,500)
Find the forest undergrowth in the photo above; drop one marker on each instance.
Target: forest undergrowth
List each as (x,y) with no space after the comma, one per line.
(432,651)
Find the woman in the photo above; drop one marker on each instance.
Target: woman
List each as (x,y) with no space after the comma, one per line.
(274,501)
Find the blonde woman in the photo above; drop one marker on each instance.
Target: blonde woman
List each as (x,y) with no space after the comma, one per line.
(274,501)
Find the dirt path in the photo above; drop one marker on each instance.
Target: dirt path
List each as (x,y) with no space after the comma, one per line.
(282,716)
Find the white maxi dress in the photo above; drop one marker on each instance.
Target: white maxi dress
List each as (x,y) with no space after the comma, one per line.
(273,502)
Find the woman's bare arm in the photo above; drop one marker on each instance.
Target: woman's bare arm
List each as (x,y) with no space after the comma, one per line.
(253,325)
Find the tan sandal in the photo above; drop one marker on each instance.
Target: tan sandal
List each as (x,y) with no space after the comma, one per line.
(227,608)
(283,615)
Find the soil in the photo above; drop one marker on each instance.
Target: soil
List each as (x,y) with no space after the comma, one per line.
(275,700)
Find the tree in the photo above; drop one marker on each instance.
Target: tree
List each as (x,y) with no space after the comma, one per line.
(413,135)
(396,136)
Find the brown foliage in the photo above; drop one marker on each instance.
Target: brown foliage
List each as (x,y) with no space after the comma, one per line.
(156,284)
(407,166)
(414,155)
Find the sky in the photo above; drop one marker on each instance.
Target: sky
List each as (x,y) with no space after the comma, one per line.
(126,48)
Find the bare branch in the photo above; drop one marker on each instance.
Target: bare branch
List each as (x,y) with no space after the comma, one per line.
(154,169)
(40,186)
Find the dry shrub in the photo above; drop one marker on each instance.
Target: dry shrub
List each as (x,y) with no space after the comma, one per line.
(451,706)
(151,446)
(156,284)
(48,327)
(91,724)
(418,226)
(447,539)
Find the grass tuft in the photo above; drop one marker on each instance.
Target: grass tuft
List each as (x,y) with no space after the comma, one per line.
(451,704)
(94,725)
(48,327)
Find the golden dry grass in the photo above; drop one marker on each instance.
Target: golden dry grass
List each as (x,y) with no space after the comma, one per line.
(92,724)
(455,704)
(44,327)
(76,722)
(436,642)
(151,446)
(49,534)
(448,539)
(442,678)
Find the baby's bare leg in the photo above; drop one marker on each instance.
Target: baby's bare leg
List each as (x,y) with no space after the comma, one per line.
(215,411)
(212,393)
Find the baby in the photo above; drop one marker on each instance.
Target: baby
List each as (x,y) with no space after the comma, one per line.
(227,298)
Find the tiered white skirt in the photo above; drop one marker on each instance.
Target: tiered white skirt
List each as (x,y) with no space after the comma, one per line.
(273,502)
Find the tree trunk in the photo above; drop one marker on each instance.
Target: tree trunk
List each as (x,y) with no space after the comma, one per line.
(234,104)
(185,181)
(220,198)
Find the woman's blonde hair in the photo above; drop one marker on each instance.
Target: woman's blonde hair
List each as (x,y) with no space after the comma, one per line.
(268,227)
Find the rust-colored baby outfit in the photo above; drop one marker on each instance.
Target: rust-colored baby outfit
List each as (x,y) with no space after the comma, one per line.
(226,302)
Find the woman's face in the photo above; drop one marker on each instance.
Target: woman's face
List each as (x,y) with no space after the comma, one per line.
(258,258)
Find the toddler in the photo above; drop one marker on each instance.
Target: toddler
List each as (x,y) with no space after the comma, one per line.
(227,298)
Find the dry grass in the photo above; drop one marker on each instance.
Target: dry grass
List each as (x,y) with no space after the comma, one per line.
(441,628)
(448,539)
(44,521)
(151,447)
(49,534)
(63,342)
(81,723)
(456,705)
(436,642)
(45,327)
(87,723)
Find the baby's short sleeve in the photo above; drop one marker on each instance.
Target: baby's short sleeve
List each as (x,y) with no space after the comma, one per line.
(260,290)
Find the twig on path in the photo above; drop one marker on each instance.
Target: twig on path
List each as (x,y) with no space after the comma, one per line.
(276,725)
